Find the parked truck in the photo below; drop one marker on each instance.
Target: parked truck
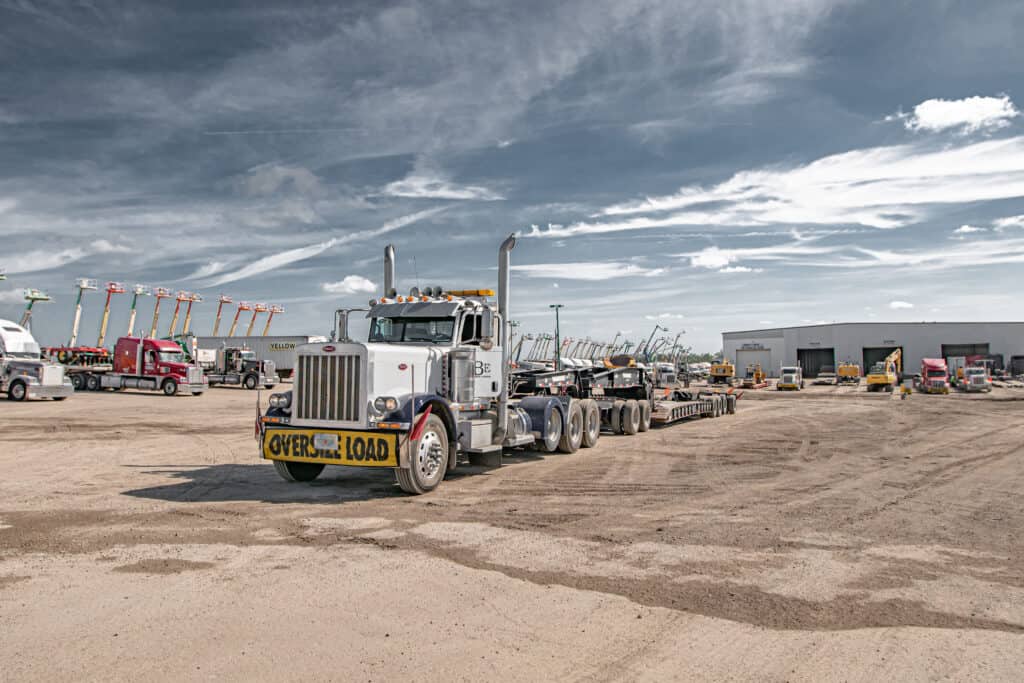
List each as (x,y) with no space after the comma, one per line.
(147,364)
(934,376)
(239,367)
(791,378)
(24,373)
(279,349)
(976,378)
(433,383)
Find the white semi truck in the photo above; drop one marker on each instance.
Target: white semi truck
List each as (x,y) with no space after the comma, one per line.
(23,372)
(432,383)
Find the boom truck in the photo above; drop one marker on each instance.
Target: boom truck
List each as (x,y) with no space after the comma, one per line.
(24,373)
(432,383)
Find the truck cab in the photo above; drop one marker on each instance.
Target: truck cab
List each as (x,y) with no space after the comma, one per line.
(934,376)
(24,374)
(976,379)
(791,378)
(238,366)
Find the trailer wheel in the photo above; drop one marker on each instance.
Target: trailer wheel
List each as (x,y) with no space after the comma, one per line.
(645,415)
(92,382)
(298,471)
(631,418)
(429,459)
(572,435)
(616,415)
(552,433)
(170,387)
(17,391)
(731,405)
(76,382)
(591,423)
(250,381)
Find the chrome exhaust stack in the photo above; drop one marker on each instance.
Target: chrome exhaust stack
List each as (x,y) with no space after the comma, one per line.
(504,282)
(389,271)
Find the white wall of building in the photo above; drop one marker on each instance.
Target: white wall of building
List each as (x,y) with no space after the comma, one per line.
(919,340)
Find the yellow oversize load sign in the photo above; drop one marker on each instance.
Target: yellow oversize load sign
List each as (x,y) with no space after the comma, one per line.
(331,447)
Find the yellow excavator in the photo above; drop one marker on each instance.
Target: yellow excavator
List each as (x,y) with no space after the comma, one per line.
(848,373)
(885,374)
(722,372)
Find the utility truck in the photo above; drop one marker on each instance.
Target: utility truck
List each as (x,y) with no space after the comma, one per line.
(236,366)
(24,373)
(433,383)
(147,364)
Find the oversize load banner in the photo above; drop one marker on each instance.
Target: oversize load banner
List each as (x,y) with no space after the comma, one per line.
(359,449)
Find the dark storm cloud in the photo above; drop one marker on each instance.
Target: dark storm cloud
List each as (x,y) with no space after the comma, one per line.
(270,148)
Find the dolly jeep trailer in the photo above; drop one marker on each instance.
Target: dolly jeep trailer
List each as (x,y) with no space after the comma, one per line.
(238,367)
(150,365)
(429,386)
(24,373)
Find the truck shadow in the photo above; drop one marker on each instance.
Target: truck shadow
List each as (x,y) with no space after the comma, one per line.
(260,483)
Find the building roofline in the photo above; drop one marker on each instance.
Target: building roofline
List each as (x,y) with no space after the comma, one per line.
(922,322)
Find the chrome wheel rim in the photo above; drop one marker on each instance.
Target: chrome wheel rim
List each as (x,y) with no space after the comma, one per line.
(576,427)
(429,455)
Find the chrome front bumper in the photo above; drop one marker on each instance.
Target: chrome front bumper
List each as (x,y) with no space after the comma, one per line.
(50,391)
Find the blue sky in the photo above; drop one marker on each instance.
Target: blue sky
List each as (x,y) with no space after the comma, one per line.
(705,166)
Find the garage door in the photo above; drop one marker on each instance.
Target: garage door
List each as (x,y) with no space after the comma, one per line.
(874,354)
(745,357)
(964,350)
(813,360)
(1016,365)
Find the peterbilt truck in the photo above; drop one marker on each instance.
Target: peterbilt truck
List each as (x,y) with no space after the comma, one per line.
(150,365)
(24,374)
(234,366)
(433,384)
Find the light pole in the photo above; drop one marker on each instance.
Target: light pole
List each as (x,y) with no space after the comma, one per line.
(558,343)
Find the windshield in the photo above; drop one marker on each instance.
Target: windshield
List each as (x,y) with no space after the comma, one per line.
(394,330)
(936,373)
(172,357)
(248,355)
(23,355)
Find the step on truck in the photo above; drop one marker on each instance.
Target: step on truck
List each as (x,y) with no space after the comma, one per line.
(24,373)
(431,385)
(149,365)
(238,367)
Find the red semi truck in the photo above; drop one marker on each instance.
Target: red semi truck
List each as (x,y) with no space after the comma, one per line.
(934,376)
(149,364)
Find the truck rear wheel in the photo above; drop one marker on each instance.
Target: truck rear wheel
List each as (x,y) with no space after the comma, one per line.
(92,382)
(17,391)
(250,382)
(572,435)
(552,433)
(298,471)
(429,455)
(76,382)
(591,423)
(645,415)
(631,418)
(170,387)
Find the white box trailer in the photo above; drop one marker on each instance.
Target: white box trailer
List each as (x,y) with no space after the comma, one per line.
(280,349)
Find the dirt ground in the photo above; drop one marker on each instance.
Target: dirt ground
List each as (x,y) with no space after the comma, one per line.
(829,534)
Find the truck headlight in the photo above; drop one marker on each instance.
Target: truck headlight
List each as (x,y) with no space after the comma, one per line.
(281,401)
(385,404)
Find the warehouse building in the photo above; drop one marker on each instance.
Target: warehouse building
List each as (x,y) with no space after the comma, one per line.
(816,346)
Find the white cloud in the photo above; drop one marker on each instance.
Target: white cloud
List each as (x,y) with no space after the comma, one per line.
(350,284)
(880,187)
(968,229)
(206,270)
(269,178)
(716,258)
(274,261)
(1001,224)
(592,271)
(39,260)
(898,305)
(11,296)
(968,115)
(739,269)
(428,185)
(666,316)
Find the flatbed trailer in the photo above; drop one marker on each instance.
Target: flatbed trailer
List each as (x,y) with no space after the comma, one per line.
(712,405)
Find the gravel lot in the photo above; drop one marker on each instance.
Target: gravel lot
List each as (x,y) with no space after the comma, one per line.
(824,534)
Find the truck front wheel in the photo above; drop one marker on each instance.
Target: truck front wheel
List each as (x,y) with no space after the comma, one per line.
(17,391)
(298,471)
(170,387)
(249,382)
(429,455)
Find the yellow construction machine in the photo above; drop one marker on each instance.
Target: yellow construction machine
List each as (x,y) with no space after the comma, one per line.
(755,377)
(848,373)
(885,374)
(722,372)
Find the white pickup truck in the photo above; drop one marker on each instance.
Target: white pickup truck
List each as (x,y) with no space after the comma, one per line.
(23,372)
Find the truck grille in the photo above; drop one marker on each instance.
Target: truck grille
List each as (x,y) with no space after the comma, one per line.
(328,388)
(195,375)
